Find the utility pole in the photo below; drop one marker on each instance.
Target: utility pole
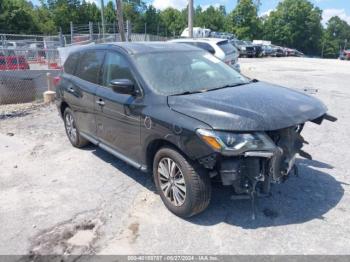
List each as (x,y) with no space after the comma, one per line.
(61,37)
(190,18)
(71,32)
(258,4)
(103,19)
(119,13)
(91,31)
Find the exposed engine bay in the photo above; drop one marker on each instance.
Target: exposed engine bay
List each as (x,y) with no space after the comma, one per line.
(252,173)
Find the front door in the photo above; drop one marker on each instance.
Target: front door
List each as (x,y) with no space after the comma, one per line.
(117,117)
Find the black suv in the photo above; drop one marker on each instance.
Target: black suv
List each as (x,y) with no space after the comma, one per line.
(182,114)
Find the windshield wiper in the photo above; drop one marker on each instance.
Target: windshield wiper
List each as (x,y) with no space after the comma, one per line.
(216,88)
(227,86)
(190,92)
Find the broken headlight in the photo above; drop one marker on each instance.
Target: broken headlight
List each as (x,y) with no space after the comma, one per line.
(229,143)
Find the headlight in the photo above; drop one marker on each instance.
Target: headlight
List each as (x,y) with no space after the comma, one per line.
(243,48)
(236,143)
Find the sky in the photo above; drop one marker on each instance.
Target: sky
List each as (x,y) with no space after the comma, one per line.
(330,7)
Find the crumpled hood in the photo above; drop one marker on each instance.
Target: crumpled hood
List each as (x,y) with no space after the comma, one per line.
(254,107)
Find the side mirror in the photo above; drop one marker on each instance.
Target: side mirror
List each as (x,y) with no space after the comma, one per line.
(123,86)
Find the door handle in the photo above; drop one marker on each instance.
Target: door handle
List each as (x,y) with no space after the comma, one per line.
(100,102)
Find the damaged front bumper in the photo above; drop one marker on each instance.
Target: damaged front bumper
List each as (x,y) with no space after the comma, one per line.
(252,172)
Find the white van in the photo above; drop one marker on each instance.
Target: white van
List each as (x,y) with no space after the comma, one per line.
(197,32)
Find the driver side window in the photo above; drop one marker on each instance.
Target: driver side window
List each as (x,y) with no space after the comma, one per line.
(115,67)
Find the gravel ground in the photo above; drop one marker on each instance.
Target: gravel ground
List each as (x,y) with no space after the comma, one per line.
(56,199)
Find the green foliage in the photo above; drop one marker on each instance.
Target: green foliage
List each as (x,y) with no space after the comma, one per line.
(110,13)
(295,23)
(336,37)
(243,21)
(152,20)
(173,20)
(16,16)
(213,18)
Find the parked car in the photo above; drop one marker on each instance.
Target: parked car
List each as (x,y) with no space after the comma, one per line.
(11,62)
(299,54)
(222,35)
(245,49)
(185,116)
(18,47)
(267,50)
(345,55)
(222,49)
(37,50)
(253,50)
(15,45)
(290,52)
(258,50)
(278,51)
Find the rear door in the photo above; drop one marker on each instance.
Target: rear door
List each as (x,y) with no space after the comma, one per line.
(117,117)
(81,86)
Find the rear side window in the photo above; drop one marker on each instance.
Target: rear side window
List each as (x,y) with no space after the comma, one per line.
(71,63)
(227,47)
(206,47)
(200,45)
(89,66)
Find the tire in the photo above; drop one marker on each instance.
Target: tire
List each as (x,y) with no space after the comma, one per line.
(196,183)
(70,126)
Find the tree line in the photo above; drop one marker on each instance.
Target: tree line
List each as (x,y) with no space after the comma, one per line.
(294,23)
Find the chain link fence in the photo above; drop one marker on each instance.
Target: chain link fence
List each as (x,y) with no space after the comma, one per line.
(25,60)
(23,71)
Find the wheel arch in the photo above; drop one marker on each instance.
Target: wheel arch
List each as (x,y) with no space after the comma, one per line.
(154,146)
(63,107)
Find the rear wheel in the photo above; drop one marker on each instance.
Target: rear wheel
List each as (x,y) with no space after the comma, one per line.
(185,189)
(72,130)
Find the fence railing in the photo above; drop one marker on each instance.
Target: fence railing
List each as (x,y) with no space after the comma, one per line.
(26,59)
(23,73)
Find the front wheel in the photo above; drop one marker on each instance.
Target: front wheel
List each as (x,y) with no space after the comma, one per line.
(184,189)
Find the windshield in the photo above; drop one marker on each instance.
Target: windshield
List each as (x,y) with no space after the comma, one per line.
(180,72)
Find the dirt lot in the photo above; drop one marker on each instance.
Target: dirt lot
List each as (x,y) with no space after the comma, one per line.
(58,199)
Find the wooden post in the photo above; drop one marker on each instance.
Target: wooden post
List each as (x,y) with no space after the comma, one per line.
(49,95)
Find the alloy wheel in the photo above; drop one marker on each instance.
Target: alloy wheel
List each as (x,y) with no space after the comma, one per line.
(172,181)
(70,127)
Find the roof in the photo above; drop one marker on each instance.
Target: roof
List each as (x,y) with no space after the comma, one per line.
(152,47)
(205,40)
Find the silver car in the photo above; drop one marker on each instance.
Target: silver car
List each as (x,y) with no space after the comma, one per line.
(221,48)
